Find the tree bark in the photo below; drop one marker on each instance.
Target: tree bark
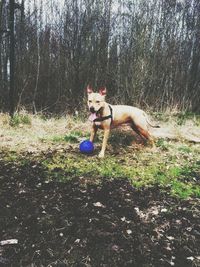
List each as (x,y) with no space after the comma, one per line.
(12,59)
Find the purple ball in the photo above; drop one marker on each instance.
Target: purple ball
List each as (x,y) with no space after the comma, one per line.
(86,147)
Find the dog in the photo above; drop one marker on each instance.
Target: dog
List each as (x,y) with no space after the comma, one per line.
(105,116)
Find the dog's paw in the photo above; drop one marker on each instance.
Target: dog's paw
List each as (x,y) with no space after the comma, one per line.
(101,155)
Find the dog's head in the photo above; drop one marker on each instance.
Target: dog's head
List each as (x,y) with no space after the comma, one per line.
(96,101)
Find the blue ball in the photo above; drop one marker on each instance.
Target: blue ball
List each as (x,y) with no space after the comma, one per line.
(86,147)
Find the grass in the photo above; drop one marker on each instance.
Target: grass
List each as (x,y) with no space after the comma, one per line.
(20,119)
(180,118)
(178,174)
(173,164)
(71,137)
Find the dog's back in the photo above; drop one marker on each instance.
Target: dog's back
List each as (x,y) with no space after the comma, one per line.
(125,114)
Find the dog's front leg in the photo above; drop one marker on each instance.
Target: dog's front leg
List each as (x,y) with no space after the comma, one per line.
(105,139)
(93,132)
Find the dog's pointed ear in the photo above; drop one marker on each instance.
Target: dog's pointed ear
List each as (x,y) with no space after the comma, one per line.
(102,91)
(89,89)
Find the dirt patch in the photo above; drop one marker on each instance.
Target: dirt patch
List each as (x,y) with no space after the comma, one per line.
(84,224)
(188,132)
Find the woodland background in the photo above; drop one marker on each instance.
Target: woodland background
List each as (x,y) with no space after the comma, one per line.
(147,53)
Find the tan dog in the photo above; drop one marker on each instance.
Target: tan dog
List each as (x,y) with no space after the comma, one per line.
(105,116)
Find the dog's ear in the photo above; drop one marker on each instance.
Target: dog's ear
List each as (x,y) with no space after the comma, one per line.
(102,91)
(89,89)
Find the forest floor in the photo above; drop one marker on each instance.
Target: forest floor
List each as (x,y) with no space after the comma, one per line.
(137,207)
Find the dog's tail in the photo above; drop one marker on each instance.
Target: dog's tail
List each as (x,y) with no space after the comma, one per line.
(153,126)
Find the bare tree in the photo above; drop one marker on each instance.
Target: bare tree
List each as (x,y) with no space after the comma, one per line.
(146,52)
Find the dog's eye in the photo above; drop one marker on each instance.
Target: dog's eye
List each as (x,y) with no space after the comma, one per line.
(97,102)
(90,101)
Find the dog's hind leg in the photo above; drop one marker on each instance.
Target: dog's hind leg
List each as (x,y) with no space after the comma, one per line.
(143,133)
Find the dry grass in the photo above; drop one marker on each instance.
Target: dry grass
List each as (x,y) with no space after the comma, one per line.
(189,131)
(38,133)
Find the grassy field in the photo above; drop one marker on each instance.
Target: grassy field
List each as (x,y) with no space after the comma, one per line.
(137,207)
(173,163)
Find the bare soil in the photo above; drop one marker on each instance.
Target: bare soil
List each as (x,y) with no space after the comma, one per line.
(86,224)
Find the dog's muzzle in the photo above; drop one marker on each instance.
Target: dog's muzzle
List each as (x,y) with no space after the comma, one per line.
(95,116)
(92,110)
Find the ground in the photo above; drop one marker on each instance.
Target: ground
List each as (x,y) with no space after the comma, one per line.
(137,207)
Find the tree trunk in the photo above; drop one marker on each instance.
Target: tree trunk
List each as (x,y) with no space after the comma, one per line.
(12,59)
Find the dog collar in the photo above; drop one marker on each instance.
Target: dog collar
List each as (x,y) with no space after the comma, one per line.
(106,117)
